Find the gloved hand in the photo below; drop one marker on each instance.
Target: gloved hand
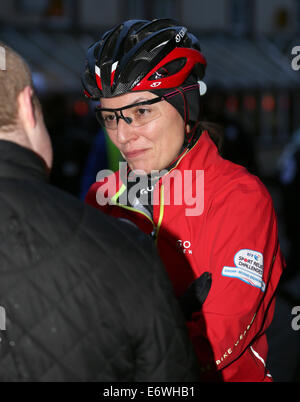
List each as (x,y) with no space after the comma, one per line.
(195,295)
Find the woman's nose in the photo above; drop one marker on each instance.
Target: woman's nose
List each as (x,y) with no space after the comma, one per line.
(125,132)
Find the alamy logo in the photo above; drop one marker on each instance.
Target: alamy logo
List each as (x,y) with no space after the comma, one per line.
(179,188)
(2,58)
(296,319)
(2,319)
(296,60)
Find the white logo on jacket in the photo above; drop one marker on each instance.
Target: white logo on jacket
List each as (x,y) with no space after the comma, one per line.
(184,246)
(249,268)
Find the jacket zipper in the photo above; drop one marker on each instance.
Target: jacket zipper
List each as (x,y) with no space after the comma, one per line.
(155,231)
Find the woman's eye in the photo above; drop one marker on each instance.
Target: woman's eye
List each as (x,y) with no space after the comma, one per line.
(142,111)
(109,117)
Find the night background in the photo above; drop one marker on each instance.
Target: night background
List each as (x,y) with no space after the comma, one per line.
(253,92)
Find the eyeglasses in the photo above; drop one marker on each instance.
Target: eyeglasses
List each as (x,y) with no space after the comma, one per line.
(137,114)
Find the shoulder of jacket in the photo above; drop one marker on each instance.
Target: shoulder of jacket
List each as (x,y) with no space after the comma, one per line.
(237,184)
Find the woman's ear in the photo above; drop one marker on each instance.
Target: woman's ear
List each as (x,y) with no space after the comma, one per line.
(188,128)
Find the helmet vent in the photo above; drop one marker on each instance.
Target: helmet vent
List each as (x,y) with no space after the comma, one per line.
(168,69)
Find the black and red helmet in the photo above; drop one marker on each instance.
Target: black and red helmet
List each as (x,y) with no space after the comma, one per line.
(140,55)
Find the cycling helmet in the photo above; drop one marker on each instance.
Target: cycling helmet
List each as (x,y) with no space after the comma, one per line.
(141,55)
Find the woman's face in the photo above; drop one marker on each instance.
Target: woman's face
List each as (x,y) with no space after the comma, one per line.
(154,145)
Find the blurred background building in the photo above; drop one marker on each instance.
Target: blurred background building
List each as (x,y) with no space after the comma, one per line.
(253,91)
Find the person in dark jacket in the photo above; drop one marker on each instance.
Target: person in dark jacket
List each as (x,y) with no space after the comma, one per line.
(84,297)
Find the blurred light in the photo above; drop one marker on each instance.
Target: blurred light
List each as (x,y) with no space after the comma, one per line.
(284,102)
(39,81)
(81,108)
(231,104)
(282,17)
(268,103)
(56,8)
(249,102)
(70,168)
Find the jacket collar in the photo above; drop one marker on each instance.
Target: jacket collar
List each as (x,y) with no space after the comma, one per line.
(20,163)
(202,155)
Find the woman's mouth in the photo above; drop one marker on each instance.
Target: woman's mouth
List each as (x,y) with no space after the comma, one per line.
(134,154)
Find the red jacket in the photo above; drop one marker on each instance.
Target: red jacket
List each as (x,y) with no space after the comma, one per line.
(231,231)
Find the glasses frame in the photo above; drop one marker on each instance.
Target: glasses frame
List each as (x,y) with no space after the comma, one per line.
(128,120)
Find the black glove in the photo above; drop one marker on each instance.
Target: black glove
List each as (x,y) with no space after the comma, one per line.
(195,295)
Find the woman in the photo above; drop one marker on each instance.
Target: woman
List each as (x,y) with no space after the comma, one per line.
(205,213)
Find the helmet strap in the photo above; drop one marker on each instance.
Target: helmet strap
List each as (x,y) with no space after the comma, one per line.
(186,108)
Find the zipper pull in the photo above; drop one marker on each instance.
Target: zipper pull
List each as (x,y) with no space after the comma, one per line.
(153,234)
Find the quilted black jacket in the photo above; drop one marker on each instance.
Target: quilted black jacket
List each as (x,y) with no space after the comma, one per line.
(85,296)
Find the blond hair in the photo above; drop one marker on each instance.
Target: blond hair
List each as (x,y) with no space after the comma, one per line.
(15,75)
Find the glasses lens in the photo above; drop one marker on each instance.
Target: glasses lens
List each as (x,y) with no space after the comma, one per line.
(137,115)
(107,119)
(142,114)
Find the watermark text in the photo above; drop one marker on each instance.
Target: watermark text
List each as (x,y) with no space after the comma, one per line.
(185,188)
(296,320)
(2,319)
(296,60)
(2,58)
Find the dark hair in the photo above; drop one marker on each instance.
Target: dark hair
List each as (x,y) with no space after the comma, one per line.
(215,131)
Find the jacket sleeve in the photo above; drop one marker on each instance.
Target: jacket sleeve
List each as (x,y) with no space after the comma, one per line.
(164,351)
(241,251)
